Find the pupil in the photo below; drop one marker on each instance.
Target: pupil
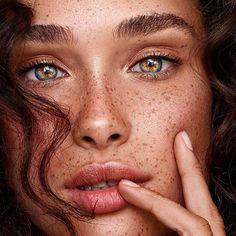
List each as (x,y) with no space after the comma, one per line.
(47,70)
(150,63)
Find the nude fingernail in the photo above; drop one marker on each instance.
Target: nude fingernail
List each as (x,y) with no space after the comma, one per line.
(187,141)
(129,183)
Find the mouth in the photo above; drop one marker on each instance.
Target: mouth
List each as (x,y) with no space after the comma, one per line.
(95,187)
(99,186)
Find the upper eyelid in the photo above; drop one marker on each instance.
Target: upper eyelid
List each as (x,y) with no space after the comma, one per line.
(152,52)
(167,57)
(29,65)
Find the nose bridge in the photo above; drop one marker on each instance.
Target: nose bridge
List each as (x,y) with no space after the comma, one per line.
(100,123)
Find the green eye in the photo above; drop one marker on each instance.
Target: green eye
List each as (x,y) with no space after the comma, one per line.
(151,65)
(44,72)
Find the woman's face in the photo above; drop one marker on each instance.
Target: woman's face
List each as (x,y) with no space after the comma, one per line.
(131,76)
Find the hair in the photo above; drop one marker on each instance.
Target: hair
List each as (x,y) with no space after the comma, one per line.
(23,107)
(220,60)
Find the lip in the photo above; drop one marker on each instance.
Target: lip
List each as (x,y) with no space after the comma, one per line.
(104,200)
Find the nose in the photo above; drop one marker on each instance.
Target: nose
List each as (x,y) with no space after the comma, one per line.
(100,125)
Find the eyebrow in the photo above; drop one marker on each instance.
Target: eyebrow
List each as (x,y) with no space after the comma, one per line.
(49,34)
(143,25)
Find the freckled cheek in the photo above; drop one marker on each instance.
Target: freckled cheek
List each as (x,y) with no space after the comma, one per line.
(155,125)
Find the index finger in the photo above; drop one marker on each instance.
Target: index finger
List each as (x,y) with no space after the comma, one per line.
(195,189)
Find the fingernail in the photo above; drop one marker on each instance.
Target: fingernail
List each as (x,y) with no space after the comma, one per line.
(129,183)
(187,141)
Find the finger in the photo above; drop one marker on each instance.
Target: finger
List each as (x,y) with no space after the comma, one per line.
(195,189)
(166,211)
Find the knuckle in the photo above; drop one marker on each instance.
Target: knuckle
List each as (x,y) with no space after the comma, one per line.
(201,222)
(215,215)
(153,200)
(198,226)
(195,170)
(202,225)
(197,166)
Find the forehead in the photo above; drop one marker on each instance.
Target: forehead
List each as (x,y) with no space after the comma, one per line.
(102,13)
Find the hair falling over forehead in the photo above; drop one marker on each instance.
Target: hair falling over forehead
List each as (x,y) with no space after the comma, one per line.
(22,106)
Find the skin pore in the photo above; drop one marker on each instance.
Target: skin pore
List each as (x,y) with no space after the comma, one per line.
(118,112)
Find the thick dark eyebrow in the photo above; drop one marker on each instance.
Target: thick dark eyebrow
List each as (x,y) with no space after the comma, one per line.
(143,25)
(140,25)
(49,34)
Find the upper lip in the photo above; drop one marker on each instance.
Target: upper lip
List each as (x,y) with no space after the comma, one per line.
(95,173)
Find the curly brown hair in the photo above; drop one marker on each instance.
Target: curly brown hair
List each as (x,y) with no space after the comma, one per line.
(220,59)
(17,104)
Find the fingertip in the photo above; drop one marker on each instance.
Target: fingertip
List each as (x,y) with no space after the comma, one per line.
(129,190)
(182,144)
(182,139)
(129,183)
(183,151)
(186,140)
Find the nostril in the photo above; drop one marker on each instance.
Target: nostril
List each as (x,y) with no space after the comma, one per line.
(87,139)
(114,137)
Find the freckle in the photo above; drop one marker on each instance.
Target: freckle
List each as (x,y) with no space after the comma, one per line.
(163,93)
(167,98)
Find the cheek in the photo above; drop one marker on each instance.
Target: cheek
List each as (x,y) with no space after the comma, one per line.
(159,116)
(156,119)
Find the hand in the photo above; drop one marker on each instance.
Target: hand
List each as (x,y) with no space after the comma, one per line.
(200,216)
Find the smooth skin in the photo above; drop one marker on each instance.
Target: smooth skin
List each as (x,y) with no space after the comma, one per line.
(200,217)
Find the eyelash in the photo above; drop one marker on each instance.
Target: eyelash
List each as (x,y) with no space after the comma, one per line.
(175,61)
(37,64)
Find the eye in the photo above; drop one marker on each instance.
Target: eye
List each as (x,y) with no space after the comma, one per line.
(155,66)
(44,72)
(152,65)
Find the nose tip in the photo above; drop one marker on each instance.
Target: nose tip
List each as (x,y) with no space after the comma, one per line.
(101,133)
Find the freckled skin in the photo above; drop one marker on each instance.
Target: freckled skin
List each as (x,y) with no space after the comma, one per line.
(146,114)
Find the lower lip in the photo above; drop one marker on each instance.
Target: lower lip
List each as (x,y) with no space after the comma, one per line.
(99,201)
